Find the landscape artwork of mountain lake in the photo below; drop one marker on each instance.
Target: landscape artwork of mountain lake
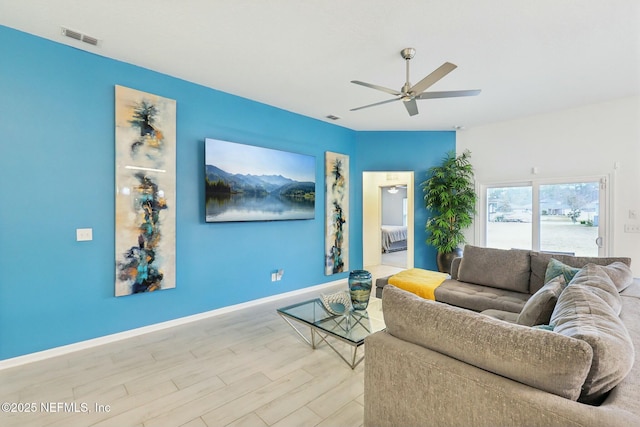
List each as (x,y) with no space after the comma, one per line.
(251,183)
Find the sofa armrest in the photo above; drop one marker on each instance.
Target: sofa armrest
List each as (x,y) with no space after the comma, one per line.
(407,384)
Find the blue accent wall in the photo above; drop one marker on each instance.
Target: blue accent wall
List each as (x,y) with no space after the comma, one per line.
(405,151)
(57,175)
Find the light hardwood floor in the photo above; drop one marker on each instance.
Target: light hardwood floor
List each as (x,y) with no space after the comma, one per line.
(245,368)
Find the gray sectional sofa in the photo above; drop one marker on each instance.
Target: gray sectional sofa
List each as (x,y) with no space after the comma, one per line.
(441,365)
(499,279)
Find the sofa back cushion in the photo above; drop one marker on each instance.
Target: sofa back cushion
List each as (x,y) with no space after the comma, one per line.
(587,310)
(595,277)
(540,260)
(545,360)
(499,268)
(620,273)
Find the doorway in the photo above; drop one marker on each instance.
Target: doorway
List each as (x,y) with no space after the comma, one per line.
(388,219)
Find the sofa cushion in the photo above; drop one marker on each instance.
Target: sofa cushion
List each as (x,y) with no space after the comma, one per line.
(581,313)
(505,316)
(547,361)
(540,260)
(633,290)
(557,268)
(538,309)
(478,297)
(620,274)
(498,268)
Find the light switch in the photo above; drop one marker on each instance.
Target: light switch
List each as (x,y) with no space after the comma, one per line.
(84,234)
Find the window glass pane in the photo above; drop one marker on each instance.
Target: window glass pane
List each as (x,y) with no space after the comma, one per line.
(569,218)
(509,217)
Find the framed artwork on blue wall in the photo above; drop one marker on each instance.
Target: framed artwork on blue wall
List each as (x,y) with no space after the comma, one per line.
(250,183)
(145,230)
(336,258)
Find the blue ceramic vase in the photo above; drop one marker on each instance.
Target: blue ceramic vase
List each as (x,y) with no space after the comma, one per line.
(360,288)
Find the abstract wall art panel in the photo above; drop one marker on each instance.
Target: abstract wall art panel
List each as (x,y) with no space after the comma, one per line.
(145,139)
(337,213)
(250,183)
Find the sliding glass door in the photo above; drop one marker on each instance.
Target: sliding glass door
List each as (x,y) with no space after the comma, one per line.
(509,219)
(562,216)
(570,218)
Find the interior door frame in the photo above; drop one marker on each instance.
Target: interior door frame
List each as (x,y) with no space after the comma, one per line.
(372,183)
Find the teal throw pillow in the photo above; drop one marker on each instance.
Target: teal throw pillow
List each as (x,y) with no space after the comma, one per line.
(556,268)
(544,327)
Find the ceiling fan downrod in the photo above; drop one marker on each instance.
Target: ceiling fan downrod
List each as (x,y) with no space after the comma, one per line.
(407,54)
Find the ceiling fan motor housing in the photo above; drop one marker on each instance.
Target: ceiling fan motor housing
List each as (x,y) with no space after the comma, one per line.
(408,52)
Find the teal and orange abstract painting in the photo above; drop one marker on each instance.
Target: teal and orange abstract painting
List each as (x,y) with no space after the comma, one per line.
(336,259)
(145,140)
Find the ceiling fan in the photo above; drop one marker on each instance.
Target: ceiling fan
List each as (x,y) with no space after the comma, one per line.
(408,94)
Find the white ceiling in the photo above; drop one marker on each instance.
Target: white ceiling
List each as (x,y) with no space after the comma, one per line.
(527,56)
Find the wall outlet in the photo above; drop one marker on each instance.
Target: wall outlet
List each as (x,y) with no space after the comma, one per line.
(632,228)
(84,234)
(276,275)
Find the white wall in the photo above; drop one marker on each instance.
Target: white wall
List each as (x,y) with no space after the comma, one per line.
(392,206)
(598,139)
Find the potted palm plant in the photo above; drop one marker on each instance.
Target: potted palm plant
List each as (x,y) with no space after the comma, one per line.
(450,196)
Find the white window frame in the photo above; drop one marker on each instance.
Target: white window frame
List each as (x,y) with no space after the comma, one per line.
(605,215)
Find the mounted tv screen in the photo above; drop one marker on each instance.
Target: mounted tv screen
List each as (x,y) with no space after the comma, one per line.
(249,183)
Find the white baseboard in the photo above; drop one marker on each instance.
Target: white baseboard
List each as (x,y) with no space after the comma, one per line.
(82,345)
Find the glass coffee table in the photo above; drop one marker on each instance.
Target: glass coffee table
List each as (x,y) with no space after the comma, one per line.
(351,328)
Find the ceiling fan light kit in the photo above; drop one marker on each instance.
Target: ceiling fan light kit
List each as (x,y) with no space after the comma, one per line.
(409,94)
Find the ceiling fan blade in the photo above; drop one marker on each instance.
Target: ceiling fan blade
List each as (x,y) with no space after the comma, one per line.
(436,75)
(412,106)
(448,94)
(372,86)
(377,103)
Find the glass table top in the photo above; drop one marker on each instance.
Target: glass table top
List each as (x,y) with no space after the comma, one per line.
(354,326)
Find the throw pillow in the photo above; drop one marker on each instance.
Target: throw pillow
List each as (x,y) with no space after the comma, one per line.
(538,309)
(544,327)
(556,268)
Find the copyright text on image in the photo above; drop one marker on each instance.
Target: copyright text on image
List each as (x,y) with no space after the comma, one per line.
(53,407)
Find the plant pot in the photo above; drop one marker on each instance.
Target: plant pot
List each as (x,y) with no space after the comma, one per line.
(444,260)
(360,288)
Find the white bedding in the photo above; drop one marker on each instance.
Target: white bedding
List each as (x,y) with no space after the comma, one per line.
(392,234)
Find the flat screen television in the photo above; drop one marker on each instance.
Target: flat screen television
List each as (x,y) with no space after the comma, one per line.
(250,183)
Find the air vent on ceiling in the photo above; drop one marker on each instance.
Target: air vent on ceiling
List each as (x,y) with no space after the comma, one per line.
(332,117)
(80,37)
